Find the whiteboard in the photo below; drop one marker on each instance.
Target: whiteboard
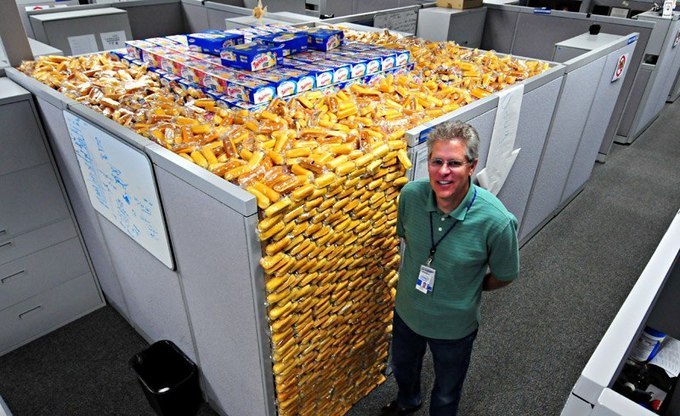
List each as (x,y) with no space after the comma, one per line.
(401,21)
(121,186)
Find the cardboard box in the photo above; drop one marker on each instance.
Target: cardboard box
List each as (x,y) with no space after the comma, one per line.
(323,76)
(357,65)
(292,43)
(341,70)
(285,84)
(459,4)
(322,39)
(252,56)
(213,41)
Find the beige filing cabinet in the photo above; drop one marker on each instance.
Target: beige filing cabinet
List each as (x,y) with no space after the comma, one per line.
(46,279)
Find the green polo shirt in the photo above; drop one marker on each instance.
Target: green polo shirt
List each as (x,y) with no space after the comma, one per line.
(485,236)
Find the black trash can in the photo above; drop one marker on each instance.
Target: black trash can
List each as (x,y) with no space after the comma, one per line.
(169,379)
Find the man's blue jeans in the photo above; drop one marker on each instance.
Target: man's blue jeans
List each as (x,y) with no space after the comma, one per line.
(451,359)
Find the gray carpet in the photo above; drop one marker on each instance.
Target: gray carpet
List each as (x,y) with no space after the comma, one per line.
(536,335)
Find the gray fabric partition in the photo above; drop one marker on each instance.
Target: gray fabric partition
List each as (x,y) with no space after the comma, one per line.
(218,12)
(151,18)
(661,82)
(570,119)
(537,112)
(218,270)
(195,16)
(50,105)
(148,18)
(64,154)
(594,129)
(152,291)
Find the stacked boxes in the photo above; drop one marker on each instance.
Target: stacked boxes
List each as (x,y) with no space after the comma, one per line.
(322,39)
(292,43)
(244,74)
(213,41)
(252,56)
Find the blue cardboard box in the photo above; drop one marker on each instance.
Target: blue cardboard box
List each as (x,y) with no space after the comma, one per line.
(323,76)
(212,41)
(357,66)
(284,84)
(252,56)
(292,42)
(322,39)
(341,70)
(251,90)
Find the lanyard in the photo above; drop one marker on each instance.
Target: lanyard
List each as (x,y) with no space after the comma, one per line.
(433,247)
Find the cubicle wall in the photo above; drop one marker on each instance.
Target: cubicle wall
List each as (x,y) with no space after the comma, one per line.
(675,91)
(147,18)
(513,29)
(346,8)
(578,126)
(50,105)
(662,60)
(217,262)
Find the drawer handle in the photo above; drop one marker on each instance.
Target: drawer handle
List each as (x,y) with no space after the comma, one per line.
(6,278)
(7,244)
(3,231)
(35,308)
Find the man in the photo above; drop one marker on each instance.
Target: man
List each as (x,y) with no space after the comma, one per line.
(460,241)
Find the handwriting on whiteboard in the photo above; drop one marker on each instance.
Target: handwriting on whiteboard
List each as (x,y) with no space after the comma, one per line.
(402,21)
(121,186)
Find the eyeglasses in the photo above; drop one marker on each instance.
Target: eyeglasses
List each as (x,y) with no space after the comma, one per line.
(451,164)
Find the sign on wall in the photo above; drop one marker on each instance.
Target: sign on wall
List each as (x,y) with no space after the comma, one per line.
(121,186)
(620,67)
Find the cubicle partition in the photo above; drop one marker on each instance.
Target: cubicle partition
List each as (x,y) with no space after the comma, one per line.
(581,117)
(403,20)
(662,61)
(675,91)
(514,29)
(218,12)
(83,31)
(147,18)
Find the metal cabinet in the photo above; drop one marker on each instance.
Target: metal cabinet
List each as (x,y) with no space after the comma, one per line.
(45,276)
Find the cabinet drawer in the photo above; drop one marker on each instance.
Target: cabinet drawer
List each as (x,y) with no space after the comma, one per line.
(21,139)
(30,199)
(25,244)
(47,311)
(42,270)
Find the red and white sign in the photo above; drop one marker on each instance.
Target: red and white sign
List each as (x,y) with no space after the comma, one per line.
(620,66)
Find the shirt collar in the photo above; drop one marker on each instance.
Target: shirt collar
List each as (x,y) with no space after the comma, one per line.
(461,209)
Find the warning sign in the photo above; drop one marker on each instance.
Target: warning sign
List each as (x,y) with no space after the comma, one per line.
(620,66)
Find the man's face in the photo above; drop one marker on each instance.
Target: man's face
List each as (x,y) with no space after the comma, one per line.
(449,172)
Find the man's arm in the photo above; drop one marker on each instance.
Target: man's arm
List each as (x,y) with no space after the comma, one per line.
(491,283)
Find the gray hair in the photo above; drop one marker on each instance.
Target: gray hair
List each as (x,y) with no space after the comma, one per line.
(456,130)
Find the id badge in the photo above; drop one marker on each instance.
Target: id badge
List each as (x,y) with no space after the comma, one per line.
(425,281)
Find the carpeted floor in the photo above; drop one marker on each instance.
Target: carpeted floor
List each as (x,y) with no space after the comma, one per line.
(536,335)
